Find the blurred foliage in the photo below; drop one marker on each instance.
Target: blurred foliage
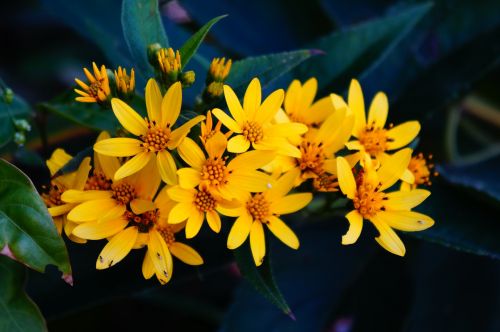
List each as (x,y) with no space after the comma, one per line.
(427,56)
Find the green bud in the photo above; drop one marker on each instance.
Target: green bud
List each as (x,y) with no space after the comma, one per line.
(22,125)
(8,95)
(152,54)
(19,138)
(188,78)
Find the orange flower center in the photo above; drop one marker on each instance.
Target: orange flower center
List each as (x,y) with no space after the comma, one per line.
(98,181)
(204,201)
(259,208)
(157,138)
(421,169)
(325,183)
(143,221)
(214,171)
(123,192)
(52,196)
(374,140)
(253,131)
(368,200)
(167,233)
(312,157)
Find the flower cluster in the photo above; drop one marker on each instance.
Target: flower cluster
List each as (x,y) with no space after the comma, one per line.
(262,160)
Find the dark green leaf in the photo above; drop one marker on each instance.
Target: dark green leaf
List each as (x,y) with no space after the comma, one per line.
(75,162)
(267,68)
(261,278)
(351,51)
(191,46)
(17,310)
(142,26)
(28,232)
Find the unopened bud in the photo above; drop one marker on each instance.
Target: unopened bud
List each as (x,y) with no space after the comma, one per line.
(19,138)
(152,54)
(8,95)
(22,125)
(188,78)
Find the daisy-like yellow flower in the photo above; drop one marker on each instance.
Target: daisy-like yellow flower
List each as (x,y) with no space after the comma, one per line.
(420,171)
(196,205)
(208,130)
(371,135)
(265,208)
(125,84)
(97,90)
(231,179)
(155,133)
(59,209)
(252,122)
(386,211)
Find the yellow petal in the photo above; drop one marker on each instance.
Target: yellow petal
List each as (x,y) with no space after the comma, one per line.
(292,97)
(239,231)
(58,221)
(171,105)
(408,176)
(160,256)
(91,210)
(320,110)
(393,168)
(288,129)
(100,230)
(182,195)
(194,223)
(283,232)
(191,153)
(139,206)
(354,145)
(188,177)
(114,213)
(402,134)
(234,105)
(117,248)
(167,167)
(355,227)
(251,160)
(227,120)
(77,196)
(185,253)
(106,164)
(60,209)
(291,203)
(147,180)
(216,145)
(405,200)
(346,179)
(377,115)
(148,269)
(252,99)
(141,241)
(153,100)
(270,106)
(251,181)
(331,126)
(133,165)
(357,106)
(408,221)
(238,144)
(58,159)
(119,147)
(180,133)
(129,118)
(388,239)
(257,243)
(81,174)
(180,213)
(213,220)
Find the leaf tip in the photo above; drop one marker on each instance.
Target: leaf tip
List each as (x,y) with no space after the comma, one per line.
(7,252)
(290,314)
(316,51)
(68,278)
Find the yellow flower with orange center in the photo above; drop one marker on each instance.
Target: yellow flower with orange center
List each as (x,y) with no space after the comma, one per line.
(418,173)
(386,211)
(97,90)
(208,130)
(265,208)
(155,133)
(252,122)
(372,136)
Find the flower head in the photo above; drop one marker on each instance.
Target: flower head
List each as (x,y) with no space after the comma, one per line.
(97,90)
(155,134)
(169,63)
(372,136)
(125,84)
(419,172)
(385,210)
(219,69)
(208,130)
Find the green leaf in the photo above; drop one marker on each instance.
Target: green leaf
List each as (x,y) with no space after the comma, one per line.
(28,233)
(191,45)
(261,278)
(142,26)
(268,68)
(349,52)
(17,310)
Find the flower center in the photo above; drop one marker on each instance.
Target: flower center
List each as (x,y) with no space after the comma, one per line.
(123,192)
(167,233)
(143,221)
(325,183)
(374,140)
(253,131)
(368,200)
(259,208)
(98,181)
(312,157)
(421,169)
(157,138)
(52,197)
(204,201)
(214,171)
(95,87)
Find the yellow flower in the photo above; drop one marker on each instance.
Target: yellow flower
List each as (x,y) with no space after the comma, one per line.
(371,135)
(169,63)
(194,206)
(385,210)
(231,179)
(300,107)
(156,134)
(59,209)
(418,173)
(252,122)
(208,130)
(125,84)
(97,91)
(264,209)
(219,69)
